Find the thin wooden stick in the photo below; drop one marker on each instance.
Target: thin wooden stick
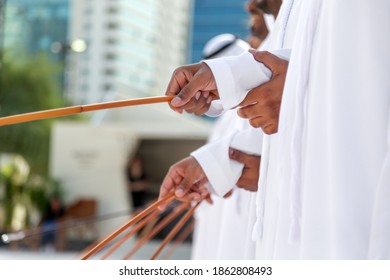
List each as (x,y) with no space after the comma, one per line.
(176,229)
(176,212)
(130,234)
(60,112)
(179,240)
(148,228)
(168,198)
(93,244)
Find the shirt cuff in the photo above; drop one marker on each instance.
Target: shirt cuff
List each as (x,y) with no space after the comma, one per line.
(220,180)
(236,75)
(215,109)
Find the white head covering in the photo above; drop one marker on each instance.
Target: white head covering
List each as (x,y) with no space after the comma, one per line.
(224,45)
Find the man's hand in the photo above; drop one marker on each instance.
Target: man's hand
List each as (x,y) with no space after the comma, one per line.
(250,174)
(187,179)
(262,104)
(194,88)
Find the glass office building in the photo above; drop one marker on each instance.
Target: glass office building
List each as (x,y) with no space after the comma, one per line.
(211,18)
(133,47)
(34,26)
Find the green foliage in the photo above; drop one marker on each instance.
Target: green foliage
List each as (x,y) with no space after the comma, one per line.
(24,191)
(25,87)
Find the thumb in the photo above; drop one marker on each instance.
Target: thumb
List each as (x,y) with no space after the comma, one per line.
(186,93)
(196,176)
(200,81)
(184,186)
(273,62)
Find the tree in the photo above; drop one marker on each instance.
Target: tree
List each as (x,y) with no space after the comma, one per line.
(24,87)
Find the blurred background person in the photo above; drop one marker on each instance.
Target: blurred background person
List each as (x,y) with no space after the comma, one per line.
(50,221)
(138,185)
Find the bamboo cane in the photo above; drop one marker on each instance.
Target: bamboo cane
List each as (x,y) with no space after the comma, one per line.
(148,228)
(176,229)
(179,240)
(93,244)
(176,212)
(137,228)
(60,112)
(168,198)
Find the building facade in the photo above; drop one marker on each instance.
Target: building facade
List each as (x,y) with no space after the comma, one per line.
(132,47)
(34,26)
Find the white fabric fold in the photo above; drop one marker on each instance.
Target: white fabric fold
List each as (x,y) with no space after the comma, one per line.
(379,247)
(291,120)
(345,130)
(260,201)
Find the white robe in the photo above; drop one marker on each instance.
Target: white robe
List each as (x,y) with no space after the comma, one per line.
(346,133)
(343,130)
(241,70)
(223,230)
(245,73)
(344,150)
(235,77)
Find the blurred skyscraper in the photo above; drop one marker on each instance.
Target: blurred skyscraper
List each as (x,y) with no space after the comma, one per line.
(2,13)
(33,26)
(133,47)
(211,18)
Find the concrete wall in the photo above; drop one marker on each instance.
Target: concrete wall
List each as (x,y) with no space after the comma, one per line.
(89,161)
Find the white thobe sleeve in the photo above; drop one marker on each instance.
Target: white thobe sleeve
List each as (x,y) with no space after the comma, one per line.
(222,172)
(236,75)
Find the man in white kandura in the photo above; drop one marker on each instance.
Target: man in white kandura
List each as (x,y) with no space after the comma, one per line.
(222,229)
(229,73)
(341,134)
(333,145)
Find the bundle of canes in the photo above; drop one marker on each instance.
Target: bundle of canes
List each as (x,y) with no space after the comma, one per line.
(138,222)
(95,243)
(179,240)
(174,232)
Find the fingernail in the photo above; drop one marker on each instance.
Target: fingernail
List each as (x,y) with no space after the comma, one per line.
(176,101)
(231,152)
(179,192)
(197,95)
